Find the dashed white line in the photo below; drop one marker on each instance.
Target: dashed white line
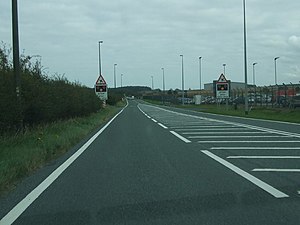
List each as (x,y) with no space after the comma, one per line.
(233,137)
(222,132)
(266,187)
(163,126)
(180,137)
(154,120)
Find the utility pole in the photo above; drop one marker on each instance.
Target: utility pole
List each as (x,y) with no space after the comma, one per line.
(16,62)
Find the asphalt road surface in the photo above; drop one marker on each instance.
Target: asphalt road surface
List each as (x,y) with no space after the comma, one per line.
(152,165)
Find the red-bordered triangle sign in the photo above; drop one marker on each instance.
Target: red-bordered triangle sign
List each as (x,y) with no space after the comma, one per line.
(222,79)
(100,80)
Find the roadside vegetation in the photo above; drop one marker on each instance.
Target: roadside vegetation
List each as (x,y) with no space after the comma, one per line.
(55,115)
(258,112)
(23,153)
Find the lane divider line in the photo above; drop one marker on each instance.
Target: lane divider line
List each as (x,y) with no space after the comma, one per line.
(163,126)
(255,148)
(259,183)
(262,157)
(14,213)
(154,120)
(180,137)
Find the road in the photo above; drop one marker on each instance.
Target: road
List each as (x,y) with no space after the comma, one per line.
(152,165)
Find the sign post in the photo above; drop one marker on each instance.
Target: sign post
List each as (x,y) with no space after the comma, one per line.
(101,89)
(223,89)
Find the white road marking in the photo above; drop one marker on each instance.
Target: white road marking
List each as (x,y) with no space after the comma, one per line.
(232,123)
(163,126)
(276,170)
(199,129)
(149,117)
(35,193)
(262,157)
(254,141)
(261,184)
(230,132)
(180,137)
(255,148)
(154,120)
(232,137)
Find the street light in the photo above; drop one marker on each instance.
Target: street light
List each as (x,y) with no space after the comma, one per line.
(115,78)
(99,43)
(152,83)
(163,79)
(16,62)
(245,60)
(182,79)
(254,72)
(121,80)
(200,72)
(224,65)
(275,59)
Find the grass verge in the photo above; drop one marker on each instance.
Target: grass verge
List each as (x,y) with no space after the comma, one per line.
(22,154)
(257,112)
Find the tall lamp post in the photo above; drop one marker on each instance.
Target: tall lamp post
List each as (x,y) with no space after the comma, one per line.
(275,59)
(224,66)
(200,78)
(253,65)
(16,61)
(115,78)
(245,60)
(121,80)
(182,79)
(152,83)
(99,43)
(163,84)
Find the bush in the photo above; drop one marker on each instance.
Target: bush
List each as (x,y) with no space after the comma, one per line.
(43,99)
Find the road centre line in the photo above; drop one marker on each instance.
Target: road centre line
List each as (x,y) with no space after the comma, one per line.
(154,120)
(262,157)
(261,184)
(14,213)
(276,170)
(163,126)
(255,148)
(245,141)
(232,123)
(180,137)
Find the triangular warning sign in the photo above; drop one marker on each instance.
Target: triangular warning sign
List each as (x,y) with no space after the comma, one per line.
(100,80)
(222,79)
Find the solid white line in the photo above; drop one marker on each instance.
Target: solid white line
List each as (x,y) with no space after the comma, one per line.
(154,120)
(34,194)
(262,157)
(180,137)
(276,170)
(254,148)
(163,126)
(266,187)
(233,141)
(219,129)
(232,137)
(222,132)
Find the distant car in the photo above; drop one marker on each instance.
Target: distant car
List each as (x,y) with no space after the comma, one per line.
(295,102)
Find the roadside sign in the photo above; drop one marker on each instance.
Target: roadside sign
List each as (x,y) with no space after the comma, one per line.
(222,87)
(101,88)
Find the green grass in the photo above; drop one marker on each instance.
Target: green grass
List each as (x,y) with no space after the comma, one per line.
(22,154)
(268,113)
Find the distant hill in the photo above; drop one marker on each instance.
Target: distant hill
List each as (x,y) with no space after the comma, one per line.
(130,90)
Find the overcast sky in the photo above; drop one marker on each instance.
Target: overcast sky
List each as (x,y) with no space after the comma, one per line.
(142,36)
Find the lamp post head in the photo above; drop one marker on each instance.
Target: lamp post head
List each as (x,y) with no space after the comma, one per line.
(100,42)
(224,64)
(254,64)
(276,58)
(181,55)
(115,64)
(200,57)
